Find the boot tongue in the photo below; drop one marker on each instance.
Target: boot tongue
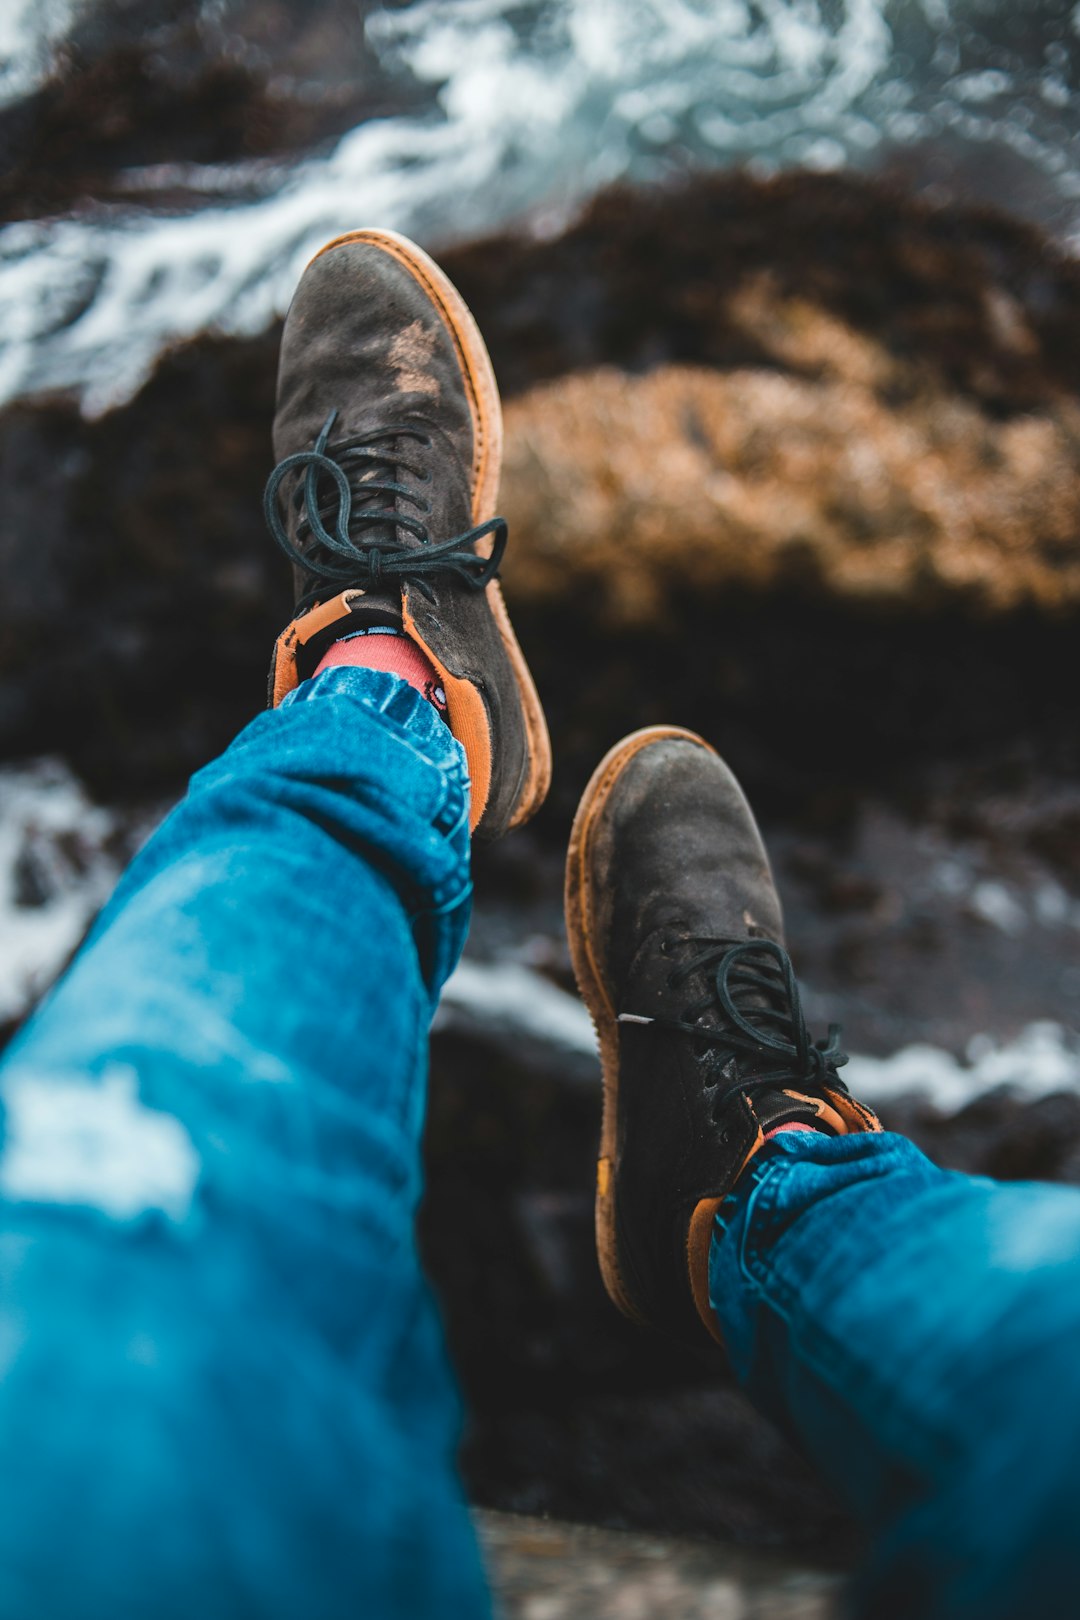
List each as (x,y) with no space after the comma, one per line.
(367,475)
(775,1107)
(363,499)
(380,607)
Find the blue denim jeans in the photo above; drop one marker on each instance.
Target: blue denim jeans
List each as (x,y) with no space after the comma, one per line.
(918,1332)
(224,1387)
(225,1392)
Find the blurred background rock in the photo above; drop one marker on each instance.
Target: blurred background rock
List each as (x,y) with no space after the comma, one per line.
(784,303)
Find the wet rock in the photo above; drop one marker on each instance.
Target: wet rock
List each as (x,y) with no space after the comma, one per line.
(729,272)
(798,382)
(809,393)
(141,533)
(142,94)
(1000,1135)
(642,489)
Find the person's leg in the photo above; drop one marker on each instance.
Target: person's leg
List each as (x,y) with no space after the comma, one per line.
(225,1390)
(918,1332)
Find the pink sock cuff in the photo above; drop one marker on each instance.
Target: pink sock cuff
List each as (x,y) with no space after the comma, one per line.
(391,652)
(794,1126)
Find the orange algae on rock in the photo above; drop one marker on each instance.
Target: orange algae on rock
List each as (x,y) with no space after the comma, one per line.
(842,468)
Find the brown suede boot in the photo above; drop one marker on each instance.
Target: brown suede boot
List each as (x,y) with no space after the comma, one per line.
(677,943)
(389,438)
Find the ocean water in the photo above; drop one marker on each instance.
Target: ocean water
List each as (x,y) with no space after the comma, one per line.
(525,109)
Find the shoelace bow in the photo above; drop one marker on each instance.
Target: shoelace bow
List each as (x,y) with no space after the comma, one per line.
(770,1030)
(333,556)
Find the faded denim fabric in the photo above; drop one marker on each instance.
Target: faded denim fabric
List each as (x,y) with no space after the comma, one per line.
(918,1332)
(224,1386)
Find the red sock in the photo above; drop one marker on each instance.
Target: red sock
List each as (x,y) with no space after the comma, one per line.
(383,648)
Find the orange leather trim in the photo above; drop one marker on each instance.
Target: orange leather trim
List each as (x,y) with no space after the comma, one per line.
(846,1116)
(856,1116)
(698,1239)
(464,706)
(469,722)
(299,632)
(828,1116)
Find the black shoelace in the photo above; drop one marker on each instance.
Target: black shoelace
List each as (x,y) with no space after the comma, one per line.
(347,483)
(752,989)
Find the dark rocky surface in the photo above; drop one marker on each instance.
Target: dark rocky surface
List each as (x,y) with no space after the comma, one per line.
(640,281)
(149,520)
(144,91)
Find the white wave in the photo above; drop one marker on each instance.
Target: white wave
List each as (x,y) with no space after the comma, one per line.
(55,871)
(513,998)
(30,31)
(1042,1059)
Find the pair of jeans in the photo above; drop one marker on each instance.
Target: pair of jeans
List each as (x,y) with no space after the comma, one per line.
(917,1331)
(224,1386)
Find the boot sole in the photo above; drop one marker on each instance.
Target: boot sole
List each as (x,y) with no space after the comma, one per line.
(580,928)
(486,410)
